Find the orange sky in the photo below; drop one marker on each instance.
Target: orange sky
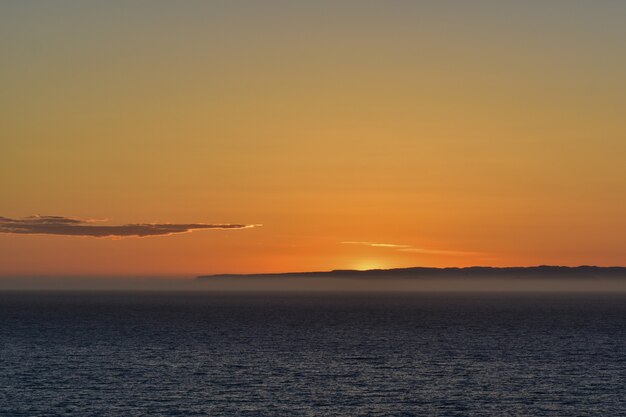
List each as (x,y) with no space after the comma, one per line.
(454,135)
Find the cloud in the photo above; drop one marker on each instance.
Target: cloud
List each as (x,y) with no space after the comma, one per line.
(377,245)
(439,251)
(69,226)
(412,249)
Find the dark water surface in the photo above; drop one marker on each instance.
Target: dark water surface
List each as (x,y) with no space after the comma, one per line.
(207,354)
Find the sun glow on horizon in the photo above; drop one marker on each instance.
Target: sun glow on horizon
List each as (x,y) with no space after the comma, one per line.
(368,264)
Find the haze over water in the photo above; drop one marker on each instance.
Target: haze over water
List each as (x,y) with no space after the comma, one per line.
(476,279)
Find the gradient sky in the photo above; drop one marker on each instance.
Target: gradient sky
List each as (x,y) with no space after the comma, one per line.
(361,134)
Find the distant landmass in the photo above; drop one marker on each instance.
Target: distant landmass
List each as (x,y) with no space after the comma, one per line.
(542,271)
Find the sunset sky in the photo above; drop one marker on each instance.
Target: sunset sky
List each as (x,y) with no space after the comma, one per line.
(310,135)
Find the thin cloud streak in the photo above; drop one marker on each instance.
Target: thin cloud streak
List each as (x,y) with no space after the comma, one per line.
(412,249)
(377,245)
(69,226)
(439,252)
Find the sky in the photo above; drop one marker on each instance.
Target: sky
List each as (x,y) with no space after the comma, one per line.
(181,138)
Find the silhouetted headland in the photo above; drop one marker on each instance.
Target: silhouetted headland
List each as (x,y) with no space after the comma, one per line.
(584,271)
(477,278)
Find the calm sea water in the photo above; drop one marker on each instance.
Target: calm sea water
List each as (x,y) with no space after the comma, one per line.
(253,355)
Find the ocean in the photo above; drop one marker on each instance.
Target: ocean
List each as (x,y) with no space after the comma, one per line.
(291,354)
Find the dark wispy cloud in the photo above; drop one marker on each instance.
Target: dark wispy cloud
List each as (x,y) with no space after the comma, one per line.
(69,226)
